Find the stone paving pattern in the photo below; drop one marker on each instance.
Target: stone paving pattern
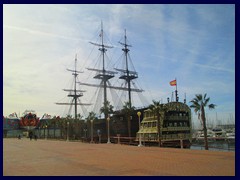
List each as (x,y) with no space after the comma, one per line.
(60,158)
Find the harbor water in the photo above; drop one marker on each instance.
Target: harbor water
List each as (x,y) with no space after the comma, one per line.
(215,146)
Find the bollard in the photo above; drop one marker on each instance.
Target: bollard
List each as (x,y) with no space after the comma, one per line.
(118,135)
(181,142)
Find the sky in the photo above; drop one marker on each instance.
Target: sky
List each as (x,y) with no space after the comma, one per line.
(193,43)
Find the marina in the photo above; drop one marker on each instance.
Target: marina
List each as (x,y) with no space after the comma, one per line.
(215,146)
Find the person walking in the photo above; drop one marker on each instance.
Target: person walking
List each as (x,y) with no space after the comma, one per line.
(30,135)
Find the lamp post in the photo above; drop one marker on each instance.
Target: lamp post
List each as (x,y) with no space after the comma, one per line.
(85,130)
(108,119)
(140,138)
(99,135)
(67,131)
(46,132)
(91,131)
(39,131)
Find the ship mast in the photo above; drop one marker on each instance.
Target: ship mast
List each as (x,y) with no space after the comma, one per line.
(127,75)
(74,93)
(102,74)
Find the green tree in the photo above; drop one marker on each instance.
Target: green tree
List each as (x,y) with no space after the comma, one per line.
(76,127)
(106,109)
(69,116)
(128,110)
(199,103)
(91,116)
(53,122)
(79,116)
(59,122)
(62,124)
(156,109)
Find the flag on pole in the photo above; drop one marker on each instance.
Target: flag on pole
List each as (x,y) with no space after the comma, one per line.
(173,82)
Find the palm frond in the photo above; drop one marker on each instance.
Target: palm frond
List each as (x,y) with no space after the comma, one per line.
(205,95)
(196,110)
(206,101)
(212,106)
(199,97)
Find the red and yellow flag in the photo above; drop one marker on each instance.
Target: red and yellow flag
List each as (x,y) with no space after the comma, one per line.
(173,82)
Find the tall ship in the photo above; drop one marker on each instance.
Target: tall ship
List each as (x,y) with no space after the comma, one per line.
(112,94)
(120,116)
(174,127)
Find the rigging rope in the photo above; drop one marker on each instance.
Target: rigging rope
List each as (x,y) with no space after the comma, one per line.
(114,95)
(84,110)
(70,109)
(98,101)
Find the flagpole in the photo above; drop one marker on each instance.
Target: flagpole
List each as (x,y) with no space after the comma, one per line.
(176,90)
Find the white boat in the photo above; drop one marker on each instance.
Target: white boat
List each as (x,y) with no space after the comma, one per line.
(230,136)
(219,133)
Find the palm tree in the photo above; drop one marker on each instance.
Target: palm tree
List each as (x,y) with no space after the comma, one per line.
(79,116)
(69,116)
(156,108)
(45,124)
(76,126)
(199,103)
(53,122)
(106,109)
(63,124)
(128,110)
(91,116)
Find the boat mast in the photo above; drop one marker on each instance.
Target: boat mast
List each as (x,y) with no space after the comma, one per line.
(104,77)
(125,50)
(75,97)
(127,75)
(76,93)
(103,74)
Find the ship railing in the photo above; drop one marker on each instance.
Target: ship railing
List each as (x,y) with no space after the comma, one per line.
(176,129)
(150,118)
(176,136)
(181,118)
(171,118)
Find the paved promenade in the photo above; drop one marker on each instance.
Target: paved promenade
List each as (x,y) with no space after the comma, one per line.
(61,158)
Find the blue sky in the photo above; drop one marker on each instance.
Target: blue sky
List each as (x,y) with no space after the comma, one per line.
(193,43)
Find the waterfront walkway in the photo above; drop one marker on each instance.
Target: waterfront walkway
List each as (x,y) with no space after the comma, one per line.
(60,158)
